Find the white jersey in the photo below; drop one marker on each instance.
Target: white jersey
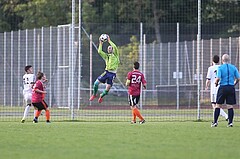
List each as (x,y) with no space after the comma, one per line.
(211,75)
(28,80)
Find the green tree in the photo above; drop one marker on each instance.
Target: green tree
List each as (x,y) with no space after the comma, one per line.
(38,13)
(221,11)
(128,54)
(89,13)
(225,12)
(89,16)
(4,25)
(9,20)
(22,14)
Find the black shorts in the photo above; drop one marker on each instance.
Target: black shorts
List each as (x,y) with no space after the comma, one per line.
(41,105)
(107,77)
(133,100)
(226,93)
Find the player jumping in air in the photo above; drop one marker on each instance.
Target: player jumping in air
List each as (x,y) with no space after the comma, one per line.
(112,62)
(135,79)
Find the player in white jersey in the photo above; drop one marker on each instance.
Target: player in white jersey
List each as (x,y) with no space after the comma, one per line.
(210,81)
(28,81)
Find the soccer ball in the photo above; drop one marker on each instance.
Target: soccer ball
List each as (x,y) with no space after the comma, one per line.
(103,37)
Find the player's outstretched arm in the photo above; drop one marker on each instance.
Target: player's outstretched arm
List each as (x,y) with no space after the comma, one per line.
(100,46)
(100,51)
(115,49)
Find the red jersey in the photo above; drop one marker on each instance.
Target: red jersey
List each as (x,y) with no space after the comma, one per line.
(136,79)
(36,96)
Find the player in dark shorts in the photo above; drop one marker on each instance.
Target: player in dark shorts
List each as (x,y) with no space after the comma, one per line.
(112,61)
(227,78)
(38,97)
(135,80)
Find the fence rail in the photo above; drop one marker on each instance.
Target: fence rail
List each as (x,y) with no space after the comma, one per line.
(48,49)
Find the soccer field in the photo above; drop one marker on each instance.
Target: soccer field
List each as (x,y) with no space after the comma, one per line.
(119,140)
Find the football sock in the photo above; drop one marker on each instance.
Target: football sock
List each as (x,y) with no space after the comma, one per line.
(230,115)
(95,87)
(27,108)
(133,115)
(38,112)
(34,112)
(105,92)
(47,114)
(138,114)
(222,113)
(216,114)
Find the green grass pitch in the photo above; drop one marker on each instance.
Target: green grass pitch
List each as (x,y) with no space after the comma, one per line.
(119,140)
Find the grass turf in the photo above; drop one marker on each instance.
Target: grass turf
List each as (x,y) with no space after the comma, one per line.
(118,140)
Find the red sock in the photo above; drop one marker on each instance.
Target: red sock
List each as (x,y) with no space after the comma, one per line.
(133,115)
(47,113)
(37,113)
(137,112)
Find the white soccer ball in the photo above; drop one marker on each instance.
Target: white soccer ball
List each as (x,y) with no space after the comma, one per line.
(103,37)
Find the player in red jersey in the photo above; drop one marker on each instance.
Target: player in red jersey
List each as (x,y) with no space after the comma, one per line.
(135,79)
(38,97)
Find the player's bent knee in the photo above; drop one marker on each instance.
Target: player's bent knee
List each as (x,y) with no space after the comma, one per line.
(97,82)
(133,107)
(105,92)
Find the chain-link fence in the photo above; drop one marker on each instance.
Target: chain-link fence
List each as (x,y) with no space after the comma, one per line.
(48,50)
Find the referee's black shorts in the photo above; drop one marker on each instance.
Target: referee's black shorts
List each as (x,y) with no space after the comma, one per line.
(226,93)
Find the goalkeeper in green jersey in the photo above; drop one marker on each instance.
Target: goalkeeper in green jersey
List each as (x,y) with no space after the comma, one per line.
(112,62)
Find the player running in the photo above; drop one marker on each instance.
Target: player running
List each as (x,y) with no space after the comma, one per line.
(28,81)
(112,62)
(210,81)
(134,81)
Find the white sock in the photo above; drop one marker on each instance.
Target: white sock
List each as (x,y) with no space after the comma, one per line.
(27,108)
(34,112)
(222,113)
